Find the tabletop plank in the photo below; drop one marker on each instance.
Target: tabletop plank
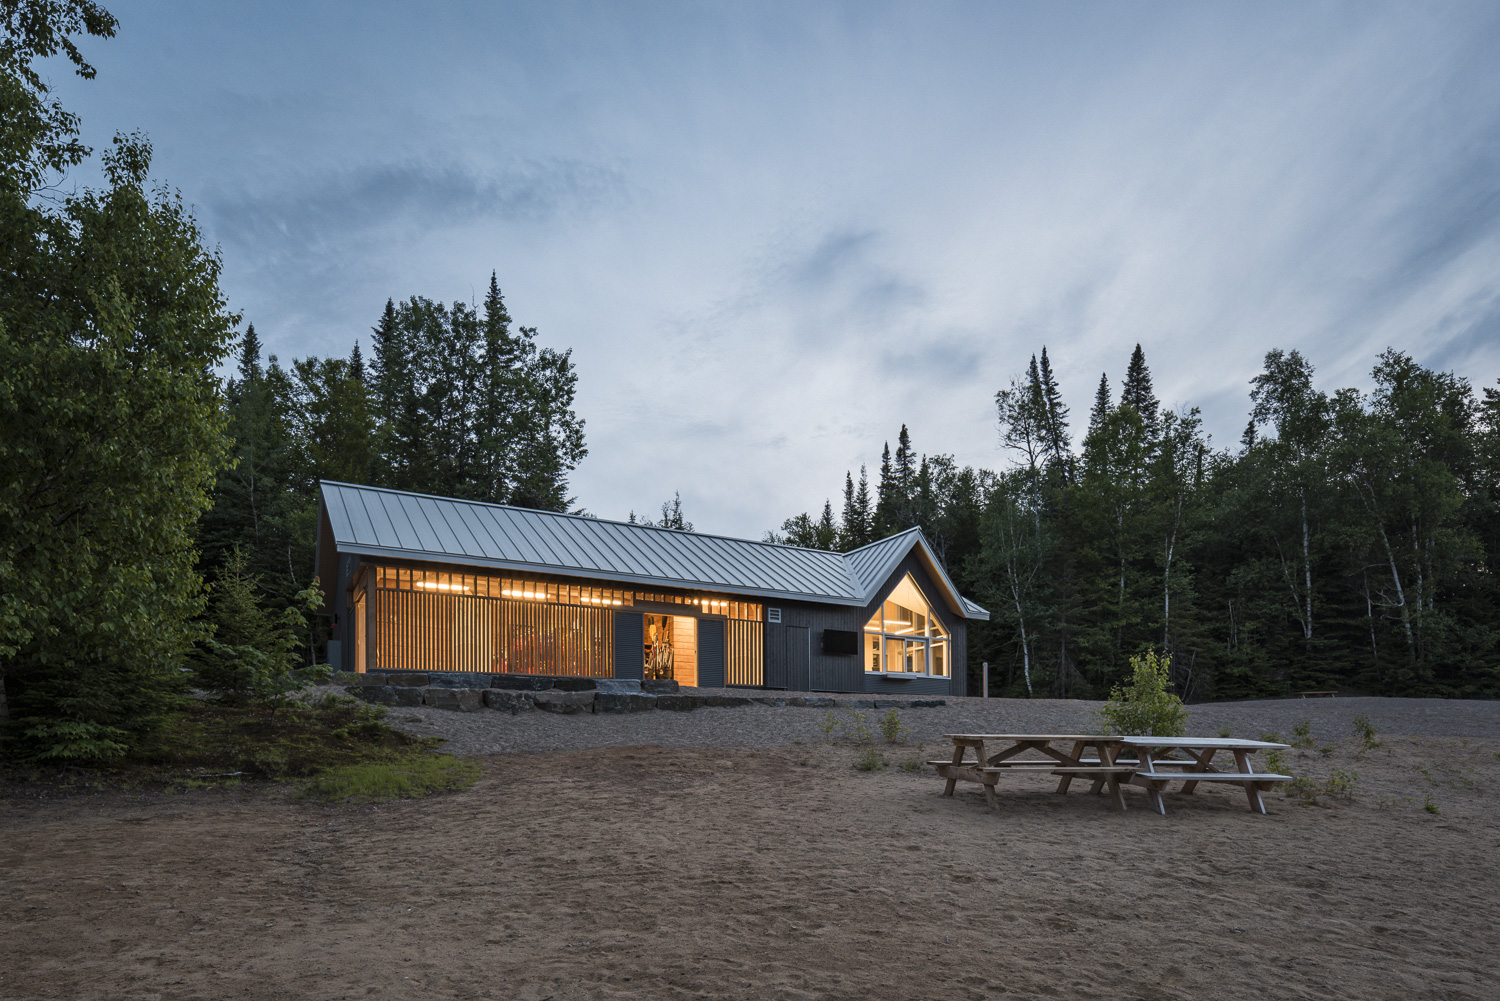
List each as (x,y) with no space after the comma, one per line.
(1019,737)
(1218,743)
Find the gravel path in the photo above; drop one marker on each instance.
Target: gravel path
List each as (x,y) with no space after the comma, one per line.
(491,732)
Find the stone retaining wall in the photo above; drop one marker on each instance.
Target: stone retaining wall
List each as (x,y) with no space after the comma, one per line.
(605,697)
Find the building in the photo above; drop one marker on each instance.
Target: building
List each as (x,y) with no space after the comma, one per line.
(415,582)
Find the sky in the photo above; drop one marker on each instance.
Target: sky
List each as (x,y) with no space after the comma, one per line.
(773,233)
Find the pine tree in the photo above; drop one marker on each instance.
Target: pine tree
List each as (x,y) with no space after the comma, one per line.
(357,365)
(1137,393)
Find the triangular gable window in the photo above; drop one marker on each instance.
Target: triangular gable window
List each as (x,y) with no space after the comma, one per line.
(903,639)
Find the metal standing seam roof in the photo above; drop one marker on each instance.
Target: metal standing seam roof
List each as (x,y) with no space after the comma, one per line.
(374,521)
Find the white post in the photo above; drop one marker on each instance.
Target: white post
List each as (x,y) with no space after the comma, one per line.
(985,667)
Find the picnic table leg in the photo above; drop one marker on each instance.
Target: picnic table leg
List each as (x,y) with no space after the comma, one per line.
(1153,789)
(1101,781)
(1116,794)
(1203,760)
(1067,780)
(958,759)
(1252,791)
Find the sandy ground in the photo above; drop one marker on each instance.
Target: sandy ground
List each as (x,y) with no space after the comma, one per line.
(779,872)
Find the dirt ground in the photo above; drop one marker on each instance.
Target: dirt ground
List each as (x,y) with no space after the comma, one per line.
(712,872)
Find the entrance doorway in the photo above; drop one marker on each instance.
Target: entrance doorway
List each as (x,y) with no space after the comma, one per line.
(670,648)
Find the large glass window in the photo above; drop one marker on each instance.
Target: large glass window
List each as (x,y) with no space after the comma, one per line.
(904,638)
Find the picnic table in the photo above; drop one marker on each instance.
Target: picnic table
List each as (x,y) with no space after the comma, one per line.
(1151,768)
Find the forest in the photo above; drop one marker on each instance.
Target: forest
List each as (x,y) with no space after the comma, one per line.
(1347,542)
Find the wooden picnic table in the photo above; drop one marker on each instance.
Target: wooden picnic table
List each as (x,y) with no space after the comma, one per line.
(988,765)
(1156,770)
(1151,768)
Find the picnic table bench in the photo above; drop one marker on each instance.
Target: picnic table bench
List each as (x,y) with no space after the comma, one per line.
(1151,767)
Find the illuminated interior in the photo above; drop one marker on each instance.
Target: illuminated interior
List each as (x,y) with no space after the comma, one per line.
(671,648)
(903,637)
(407,618)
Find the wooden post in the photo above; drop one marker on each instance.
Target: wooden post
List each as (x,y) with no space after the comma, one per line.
(984,667)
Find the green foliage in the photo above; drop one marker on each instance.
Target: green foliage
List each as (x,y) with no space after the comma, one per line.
(111,321)
(1276,763)
(1145,707)
(870,761)
(857,727)
(1302,734)
(1365,730)
(891,726)
(827,723)
(911,765)
(411,777)
(1341,784)
(1430,806)
(1349,542)
(249,652)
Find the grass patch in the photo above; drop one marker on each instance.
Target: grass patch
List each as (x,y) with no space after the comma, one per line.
(412,777)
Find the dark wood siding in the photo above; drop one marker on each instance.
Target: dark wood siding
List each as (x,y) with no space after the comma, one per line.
(630,640)
(710,653)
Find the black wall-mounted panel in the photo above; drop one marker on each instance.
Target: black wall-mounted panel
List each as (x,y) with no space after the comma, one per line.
(840,642)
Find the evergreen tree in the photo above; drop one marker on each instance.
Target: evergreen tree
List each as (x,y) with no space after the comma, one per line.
(887,493)
(1056,444)
(1103,404)
(1137,393)
(864,513)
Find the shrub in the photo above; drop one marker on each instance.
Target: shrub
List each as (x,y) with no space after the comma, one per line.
(1145,707)
(1365,730)
(1302,734)
(1340,784)
(857,727)
(1275,762)
(828,723)
(892,727)
(870,761)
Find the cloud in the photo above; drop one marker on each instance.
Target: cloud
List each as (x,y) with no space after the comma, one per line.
(325,210)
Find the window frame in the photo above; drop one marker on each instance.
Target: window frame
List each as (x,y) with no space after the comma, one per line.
(934,632)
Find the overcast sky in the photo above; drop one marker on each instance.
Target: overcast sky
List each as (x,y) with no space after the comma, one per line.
(772,233)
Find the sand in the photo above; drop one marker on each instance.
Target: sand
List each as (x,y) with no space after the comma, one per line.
(779,872)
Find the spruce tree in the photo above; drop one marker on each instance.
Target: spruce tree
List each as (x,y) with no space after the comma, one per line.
(1055,437)
(884,519)
(1136,392)
(1103,404)
(863,512)
(848,529)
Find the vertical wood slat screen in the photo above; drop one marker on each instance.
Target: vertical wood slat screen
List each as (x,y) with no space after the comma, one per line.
(418,631)
(744,653)
(357,627)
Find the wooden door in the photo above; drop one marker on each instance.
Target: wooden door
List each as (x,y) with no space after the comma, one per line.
(798,658)
(775,655)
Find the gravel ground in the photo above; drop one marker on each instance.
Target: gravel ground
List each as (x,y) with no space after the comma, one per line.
(491,732)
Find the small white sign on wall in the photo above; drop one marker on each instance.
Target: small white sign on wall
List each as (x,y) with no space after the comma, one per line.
(773,615)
